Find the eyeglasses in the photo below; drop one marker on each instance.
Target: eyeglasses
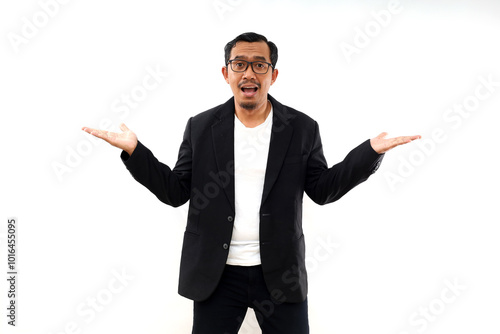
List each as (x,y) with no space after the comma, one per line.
(259,67)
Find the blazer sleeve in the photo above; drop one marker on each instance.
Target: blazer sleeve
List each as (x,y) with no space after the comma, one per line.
(172,187)
(325,185)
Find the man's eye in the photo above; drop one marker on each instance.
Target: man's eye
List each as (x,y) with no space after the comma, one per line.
(240,64)
(260,65)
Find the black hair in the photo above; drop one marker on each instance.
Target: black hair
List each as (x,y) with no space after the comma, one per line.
(251,37)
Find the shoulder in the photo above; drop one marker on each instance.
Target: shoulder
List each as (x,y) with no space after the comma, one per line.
(216,113)
(206,115)
(200,125)
(292,116)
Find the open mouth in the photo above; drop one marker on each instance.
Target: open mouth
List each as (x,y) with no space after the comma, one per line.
(249,90)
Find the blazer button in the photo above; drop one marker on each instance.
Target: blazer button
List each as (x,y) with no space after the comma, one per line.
(230,219)
(225,246)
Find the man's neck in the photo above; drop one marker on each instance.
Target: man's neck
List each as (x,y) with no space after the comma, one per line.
(254,117)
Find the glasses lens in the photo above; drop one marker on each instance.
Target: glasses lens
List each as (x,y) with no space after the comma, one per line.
(239,65)
(260,68)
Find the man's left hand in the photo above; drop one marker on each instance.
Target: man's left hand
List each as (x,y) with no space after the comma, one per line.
(382,145)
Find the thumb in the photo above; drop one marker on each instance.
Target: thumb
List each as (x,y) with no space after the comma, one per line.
(382,135)
(123,127)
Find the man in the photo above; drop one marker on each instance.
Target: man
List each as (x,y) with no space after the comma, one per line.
(244,165)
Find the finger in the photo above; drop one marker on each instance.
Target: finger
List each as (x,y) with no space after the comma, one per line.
(382,135)
(403,140)
(123,127)
(105,135)
(94,132)
(407,139)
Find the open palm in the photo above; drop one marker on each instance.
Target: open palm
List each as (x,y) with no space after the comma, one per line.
(127,140)
(381,145)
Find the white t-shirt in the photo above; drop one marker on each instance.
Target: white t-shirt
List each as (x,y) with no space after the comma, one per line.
(251,147)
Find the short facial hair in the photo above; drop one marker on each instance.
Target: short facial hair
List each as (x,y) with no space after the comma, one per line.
(248,105)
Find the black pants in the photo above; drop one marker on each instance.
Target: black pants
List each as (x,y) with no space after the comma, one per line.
(239,289)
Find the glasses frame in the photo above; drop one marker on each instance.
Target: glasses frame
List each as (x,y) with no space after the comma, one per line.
(230,63)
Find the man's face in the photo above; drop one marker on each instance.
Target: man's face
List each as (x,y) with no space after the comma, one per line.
(250,89)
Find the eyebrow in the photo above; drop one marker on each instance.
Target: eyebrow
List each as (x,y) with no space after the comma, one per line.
(255,57)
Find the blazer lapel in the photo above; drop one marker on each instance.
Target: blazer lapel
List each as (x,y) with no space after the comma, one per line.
(223,143)
(281,135)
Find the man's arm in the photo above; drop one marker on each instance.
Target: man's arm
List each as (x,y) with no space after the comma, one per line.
(172,187)
(325,185)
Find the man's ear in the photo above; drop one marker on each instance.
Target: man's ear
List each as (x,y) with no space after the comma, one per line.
(274,76)
(225,74)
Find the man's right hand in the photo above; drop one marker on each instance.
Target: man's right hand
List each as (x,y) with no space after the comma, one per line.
(127,140)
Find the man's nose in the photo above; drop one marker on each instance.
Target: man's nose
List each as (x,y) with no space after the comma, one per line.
(249,73)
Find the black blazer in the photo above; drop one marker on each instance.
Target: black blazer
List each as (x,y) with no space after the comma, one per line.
(204,174)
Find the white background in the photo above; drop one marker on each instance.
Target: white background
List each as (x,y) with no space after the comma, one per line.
(396,245)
